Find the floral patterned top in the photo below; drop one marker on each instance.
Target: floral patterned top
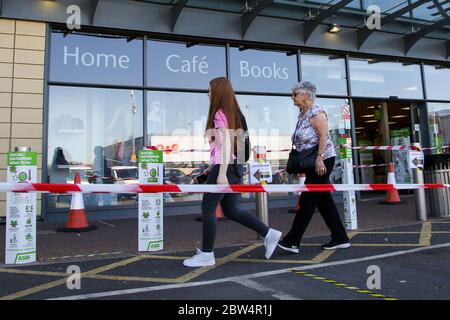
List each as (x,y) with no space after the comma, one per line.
(305,136)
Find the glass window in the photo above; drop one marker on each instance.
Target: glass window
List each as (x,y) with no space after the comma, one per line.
(176,121)
(337,129)
(96,132)
(437,80)
(96,59)
(271,121)
(439,123)
(262,71)
(373,78)
(385,5)
(178,65)
(326,72)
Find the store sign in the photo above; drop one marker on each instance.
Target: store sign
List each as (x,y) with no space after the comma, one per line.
(174,65)
(96,60)
(257,70)
(260,173)
(150,232)
(21,210)
(416,159)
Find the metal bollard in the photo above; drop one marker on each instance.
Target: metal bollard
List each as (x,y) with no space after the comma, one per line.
(262,206)
(262,209)
(421,208)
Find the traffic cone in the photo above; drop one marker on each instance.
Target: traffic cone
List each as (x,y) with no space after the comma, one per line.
(392,196)
(301,182)
(77,216)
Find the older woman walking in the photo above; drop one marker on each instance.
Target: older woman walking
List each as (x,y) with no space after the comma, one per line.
(312,130)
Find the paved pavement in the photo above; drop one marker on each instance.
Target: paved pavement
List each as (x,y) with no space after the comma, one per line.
(407,260)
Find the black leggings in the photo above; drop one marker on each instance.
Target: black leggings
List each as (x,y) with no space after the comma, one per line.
(228,202)
(323,201)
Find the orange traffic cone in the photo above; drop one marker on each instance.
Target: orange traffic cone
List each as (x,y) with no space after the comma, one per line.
(301,182)
(77,216)
(392,196)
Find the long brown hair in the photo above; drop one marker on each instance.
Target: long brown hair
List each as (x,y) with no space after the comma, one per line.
(223,97)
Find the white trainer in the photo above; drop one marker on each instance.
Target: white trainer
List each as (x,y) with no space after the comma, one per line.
(200,259)
(271,241)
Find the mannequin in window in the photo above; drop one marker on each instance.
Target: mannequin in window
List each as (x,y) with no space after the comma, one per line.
(59,169)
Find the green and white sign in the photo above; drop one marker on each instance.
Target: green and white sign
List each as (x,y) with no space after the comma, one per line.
(21,210)
(150,204)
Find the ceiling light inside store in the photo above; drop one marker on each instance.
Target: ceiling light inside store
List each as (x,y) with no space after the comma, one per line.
(392,122)
(371,107)
(399,116)
(368,116)
(406,108)
(334,28)
(360,128)
(371,121)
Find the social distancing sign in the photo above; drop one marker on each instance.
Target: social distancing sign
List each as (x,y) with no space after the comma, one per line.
(21,210)
(150,204)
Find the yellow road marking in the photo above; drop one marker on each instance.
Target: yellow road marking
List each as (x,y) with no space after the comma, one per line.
(113,266)
(199,271)
(56,283)
(29,291)
(164,257)
(378,245)
(130,279)
(325,254)
(273,261)
(338,284)
(389,232)
(425,235)
(33,272)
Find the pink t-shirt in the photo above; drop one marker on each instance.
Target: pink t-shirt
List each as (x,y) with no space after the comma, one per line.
(220,121)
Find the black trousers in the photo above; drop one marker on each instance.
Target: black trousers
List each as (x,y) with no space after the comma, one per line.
(323,201)
(228,202)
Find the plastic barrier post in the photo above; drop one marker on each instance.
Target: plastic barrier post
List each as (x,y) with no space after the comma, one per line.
(421,208)
(351,219)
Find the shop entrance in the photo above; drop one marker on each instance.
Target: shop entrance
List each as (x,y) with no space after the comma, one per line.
(384,123)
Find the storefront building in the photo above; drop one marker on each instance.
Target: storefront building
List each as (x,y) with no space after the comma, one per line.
(136,74)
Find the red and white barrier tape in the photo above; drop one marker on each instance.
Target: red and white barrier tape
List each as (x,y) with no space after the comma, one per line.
(383,148)
(204,188)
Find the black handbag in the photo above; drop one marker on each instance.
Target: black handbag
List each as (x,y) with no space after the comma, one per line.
(302,161)
(202,178)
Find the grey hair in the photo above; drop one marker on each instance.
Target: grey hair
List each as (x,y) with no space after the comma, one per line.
(306,87)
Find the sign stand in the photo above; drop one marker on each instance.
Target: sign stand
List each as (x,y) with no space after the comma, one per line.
(351,219)
(150,232)
(21,208)
(416,163)
(260,172)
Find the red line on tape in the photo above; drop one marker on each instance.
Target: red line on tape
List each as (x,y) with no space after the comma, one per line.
(56,188)
(434,185)
(321,187)
(247,188)
(148,188)
(381,187)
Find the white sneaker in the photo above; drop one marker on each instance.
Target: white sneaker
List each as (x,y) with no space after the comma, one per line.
(271,241)
(200,259)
